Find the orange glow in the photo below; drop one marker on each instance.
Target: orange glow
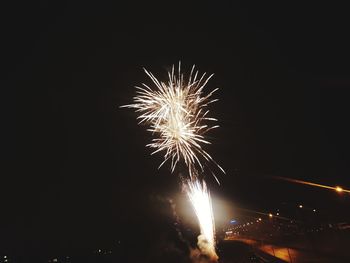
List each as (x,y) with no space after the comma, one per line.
(270,215)
(337,188)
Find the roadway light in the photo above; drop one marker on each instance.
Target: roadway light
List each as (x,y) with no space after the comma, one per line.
(314,210)
(338,189)
(270,215)
(300,206)
(278,214)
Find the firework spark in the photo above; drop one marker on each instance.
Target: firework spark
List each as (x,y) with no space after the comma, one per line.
(176,113)
(200,199)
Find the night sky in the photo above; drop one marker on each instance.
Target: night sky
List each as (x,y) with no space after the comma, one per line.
(78,174)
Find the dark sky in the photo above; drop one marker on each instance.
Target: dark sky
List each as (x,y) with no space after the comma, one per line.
(79,174)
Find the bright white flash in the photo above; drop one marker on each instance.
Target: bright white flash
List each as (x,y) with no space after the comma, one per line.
(201,202)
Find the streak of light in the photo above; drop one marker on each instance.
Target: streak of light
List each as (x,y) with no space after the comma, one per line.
(335,188)
(200,199)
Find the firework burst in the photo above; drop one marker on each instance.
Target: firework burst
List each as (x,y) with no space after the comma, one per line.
(176,114)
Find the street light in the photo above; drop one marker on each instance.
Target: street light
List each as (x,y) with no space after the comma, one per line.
(338,189)
(270,215)
(300,206)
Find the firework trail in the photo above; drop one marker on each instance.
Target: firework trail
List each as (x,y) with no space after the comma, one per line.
(177,115)
(200,198)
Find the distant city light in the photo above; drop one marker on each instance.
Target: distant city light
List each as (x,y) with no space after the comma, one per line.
(314,210)
(233,221)
(270,215)
(278,214)
(259,218)
(300,206)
